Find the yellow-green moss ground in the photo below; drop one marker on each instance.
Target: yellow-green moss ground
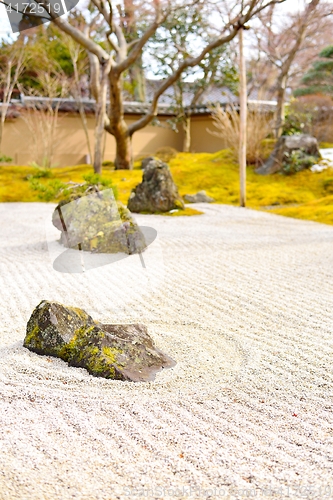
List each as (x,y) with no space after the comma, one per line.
(305,195)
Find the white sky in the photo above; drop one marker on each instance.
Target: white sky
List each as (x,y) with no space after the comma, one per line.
(288,6)
(5,27)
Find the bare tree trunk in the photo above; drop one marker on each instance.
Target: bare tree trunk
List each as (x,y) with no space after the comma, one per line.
(98,147)
(117,125)
(138,81)
(10,79)
(280,108)
(74,53)
(285,68)
(187,134)
(7,94)
(4,109)
(100,121)
(242,124)
(124,155)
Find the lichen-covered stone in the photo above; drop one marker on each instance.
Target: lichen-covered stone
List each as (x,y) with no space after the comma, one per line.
(147,160)
(121,352)
(52,325)
(157,191)
(97,223)
(306,147)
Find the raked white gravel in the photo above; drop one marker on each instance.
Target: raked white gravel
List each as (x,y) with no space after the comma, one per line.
(242,300)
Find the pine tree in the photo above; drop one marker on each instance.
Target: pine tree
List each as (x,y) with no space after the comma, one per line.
(319,79)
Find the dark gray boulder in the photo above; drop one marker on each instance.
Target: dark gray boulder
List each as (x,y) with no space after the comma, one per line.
(52,326)
(157,191)
(121,352)
(99,224)
(291,153)
(147,160)
(200,197)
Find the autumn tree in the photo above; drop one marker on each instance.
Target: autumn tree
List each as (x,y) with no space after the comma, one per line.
(171,46)
(12,62)
(132,26)
(286,44)
(114,53)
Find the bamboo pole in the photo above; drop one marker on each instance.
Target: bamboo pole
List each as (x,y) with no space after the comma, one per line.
(243,118)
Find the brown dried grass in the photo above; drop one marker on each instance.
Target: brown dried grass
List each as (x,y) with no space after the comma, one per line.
(227,123)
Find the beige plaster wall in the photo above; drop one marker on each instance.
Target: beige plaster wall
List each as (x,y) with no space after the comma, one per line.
(24,143)
(201,139)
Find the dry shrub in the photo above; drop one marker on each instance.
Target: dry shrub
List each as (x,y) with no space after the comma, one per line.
(166,153)
(42,124)
(227,123)
(42,115)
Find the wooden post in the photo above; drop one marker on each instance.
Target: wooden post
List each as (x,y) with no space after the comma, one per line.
(242,124)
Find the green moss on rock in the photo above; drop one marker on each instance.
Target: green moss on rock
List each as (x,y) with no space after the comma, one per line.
(121,352)
(98,224)
(52,326)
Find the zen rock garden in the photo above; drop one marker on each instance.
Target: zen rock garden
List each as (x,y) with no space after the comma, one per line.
(120,352)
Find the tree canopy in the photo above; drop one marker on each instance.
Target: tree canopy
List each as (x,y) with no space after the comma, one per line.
(319,79)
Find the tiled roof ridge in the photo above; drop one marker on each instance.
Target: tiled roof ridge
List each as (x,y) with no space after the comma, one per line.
(71,105)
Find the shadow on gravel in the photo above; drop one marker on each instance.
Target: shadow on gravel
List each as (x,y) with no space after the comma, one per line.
(77,261)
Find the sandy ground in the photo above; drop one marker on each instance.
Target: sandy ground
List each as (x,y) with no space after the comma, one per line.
(242,300)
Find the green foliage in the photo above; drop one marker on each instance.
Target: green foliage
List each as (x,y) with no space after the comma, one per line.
(311,114)
(296,120)
(102,183)
(296,161)
(320,210)
(55,189)
(5,159)
(46,51)
(304,195)
(328,185)
(170,46)
(319,79)
(49,191)
(108,164)
(93,179)
(40,171)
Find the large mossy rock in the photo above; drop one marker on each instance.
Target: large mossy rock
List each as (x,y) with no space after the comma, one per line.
(97,223)
(157,191)
(121,352)
(291,154)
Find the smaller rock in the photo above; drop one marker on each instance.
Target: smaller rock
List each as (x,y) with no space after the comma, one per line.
(157,191)
(200,197)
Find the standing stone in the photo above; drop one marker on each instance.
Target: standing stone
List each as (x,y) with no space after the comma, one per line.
(306,145)
(99,224)
(147,160)
(157,191)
